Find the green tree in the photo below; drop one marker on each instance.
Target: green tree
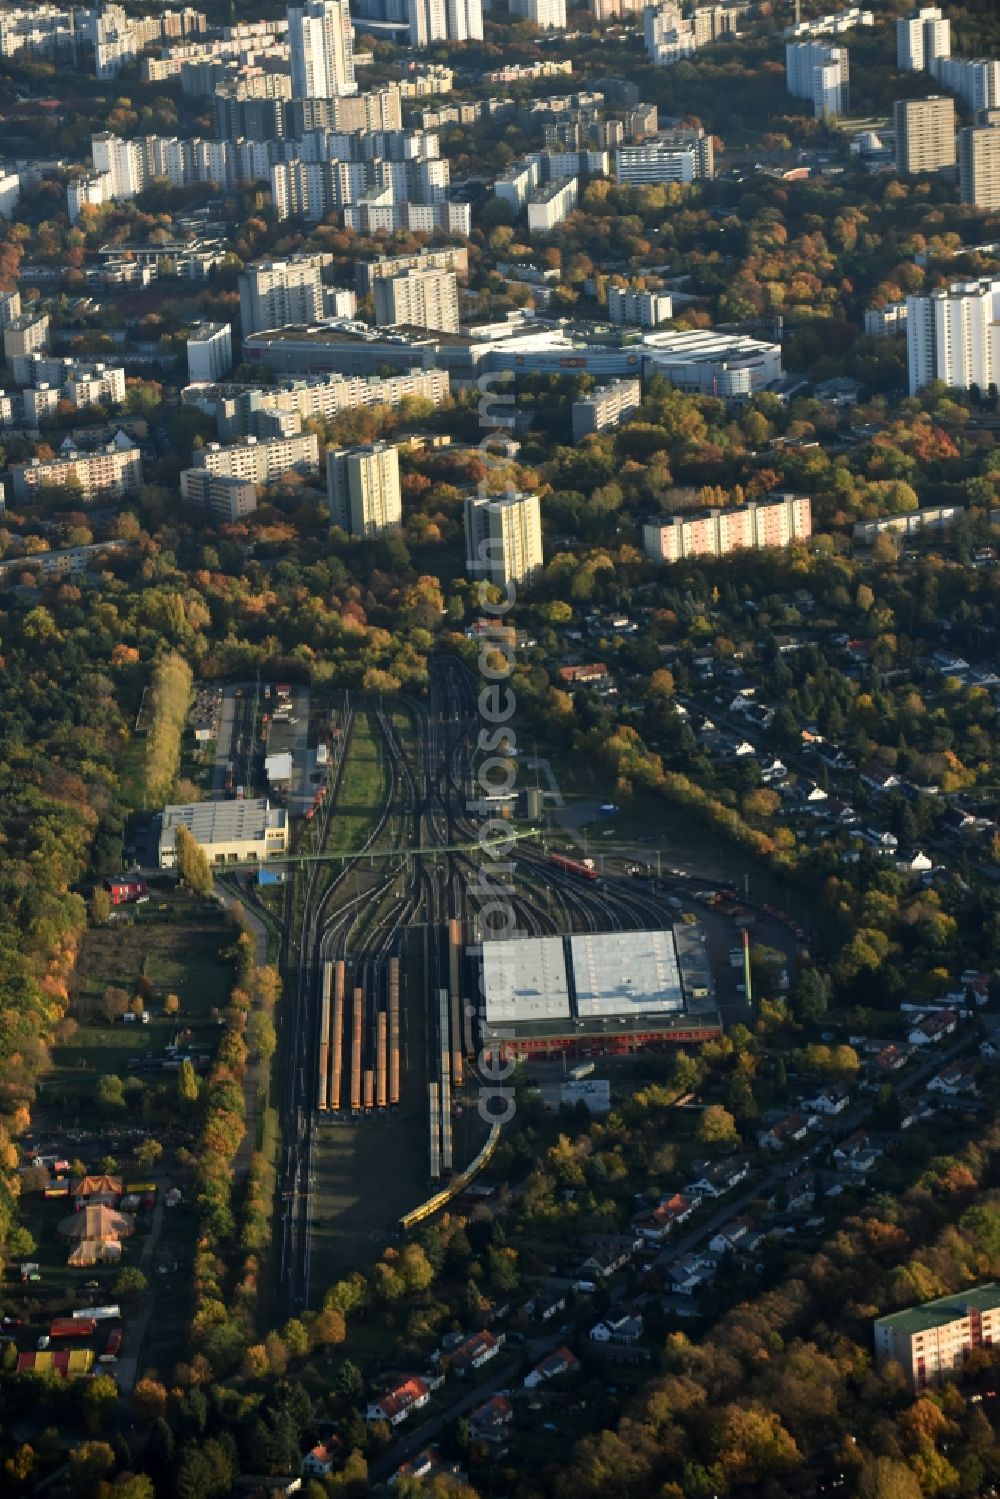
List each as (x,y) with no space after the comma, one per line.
(717,1128)
(188,1086)
(100,905)
(130,1281)
(110,1093)
(192,862)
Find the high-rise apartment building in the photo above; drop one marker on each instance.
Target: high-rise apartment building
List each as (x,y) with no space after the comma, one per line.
(979,166)
(640,309)
(933,1342)
(444,21)
(925,135)
(425,299)
(820,73)
(503,538)
(953,335)
(10,307)
(321,49)
(222,495)
(108,474)
(261,462)
(605,408)
(363,488)
(921,38)
(672,156)
(209,352)
(974,79)
(28,333)
(550,15)
(775,521)
(275,293)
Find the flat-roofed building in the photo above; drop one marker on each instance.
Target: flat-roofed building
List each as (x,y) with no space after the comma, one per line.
(925,135)
(28,333)
(262,462)
(503,538)
(618,973)
(246,832)
(776,521)
(979,166)
(549,204)
(605,408)
(109,473)
(933,1342)
(421,299)
(223,495)
(640,309)
(363,488)
(524,978)
(604,992)
(209,352)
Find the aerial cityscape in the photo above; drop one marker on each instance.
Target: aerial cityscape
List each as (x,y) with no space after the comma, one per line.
(500,770)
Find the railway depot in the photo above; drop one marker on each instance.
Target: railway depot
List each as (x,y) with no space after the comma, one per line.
(597,991)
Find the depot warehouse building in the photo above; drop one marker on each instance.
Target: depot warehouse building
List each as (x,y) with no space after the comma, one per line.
(597,992)
(245,832)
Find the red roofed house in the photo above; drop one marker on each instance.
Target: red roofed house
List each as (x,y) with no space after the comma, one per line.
(411,1394)
(655,1223)
(573,676)
(489,1421)
(475,1352)
(562,1361)
(318,1463)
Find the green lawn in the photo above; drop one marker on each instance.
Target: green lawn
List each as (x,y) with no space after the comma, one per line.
(178,957)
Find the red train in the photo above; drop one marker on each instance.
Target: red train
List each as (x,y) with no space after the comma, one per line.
(584,868)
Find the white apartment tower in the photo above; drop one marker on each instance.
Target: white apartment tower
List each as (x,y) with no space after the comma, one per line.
(321,49)
(503,538)
(363,488)
(953,335)
(425,299)
(275,293)
(820,73)
(921,38)
(444,21)
(550,15)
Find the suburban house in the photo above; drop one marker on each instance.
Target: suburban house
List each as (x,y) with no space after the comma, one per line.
(690,1272)
(489,1421)
(610,1255)
(786,1131)
(395,1404)
(957,1077)
(655,1223)
(830,1101)
(737,1234)
(932,1028)
(543,1308)
(561,1361)
(892,1057)
(318,1463)
(580,676)
(722,1176)
(617,1330)
(428,1463)
(957,820)
(772,770)
(474,1352)
(856,1153)
(878,779)
(800,1191)
(124,889)
(841,813)
(881,841)
(990,1050)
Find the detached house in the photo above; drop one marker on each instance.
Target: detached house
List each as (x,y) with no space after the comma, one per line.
(562,1361)
(318,1463)
(656,1223)
(617,1330)
(474,1352)
(716,1179)
(690,1272)
(786,1131)
(489,1422)
(738,1234)
(957,1077)
(830,1101)
(396,1404)
(878,779)
(932,1028)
